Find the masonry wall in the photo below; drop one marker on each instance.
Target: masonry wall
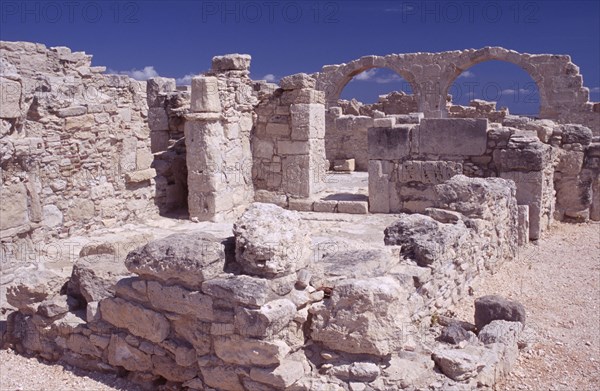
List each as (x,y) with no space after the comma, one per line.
(288,141)
(75,145)
(407,162)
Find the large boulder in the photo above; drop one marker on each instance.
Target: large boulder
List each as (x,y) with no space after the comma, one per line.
(362,316)
(271,241)
(493,307)
(187,259)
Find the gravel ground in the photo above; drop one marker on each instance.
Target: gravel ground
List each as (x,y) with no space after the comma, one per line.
(558,281)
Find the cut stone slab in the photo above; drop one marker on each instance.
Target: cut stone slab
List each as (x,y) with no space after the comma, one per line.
(452,136)
(344,165)
(353,207)
(231,62)
(185,259)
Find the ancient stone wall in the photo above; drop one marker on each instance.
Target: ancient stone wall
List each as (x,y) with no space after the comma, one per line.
(258,311)
(75,146)
(562,95)
(288,142)
(407,162)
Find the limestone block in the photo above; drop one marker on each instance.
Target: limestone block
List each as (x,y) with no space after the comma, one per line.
(301,205)
(168,368)
(576,134)
(386,122)
(205,95)
(138,320)
(158,86)
(344,165)
(179,300)
(158,119)
(94,277)
(140,176)
(71,111)
(452,136)
(120,353)
(144,159)
(221,377)
(81,210)
(362,316)
(264,247)
(127,154)
(379,193)
(389,143)
(296,175)
(303,95)
(326,206)
(250,352)
(457,364)
(308,121)
(533,157)
(10,98)
(429,172)
(13,207)
(285,147)
(530,190)
(80,123)
(184,259)
(242,289)
(271,198)
(570,162)
(523,224)
(266,321)
(52,216)
(501,331)
(231,62)
(353,207)
(297,81)
(281,377)
(278,129)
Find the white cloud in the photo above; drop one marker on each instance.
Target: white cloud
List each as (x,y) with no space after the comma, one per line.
(595,89)
(466,75)
(271,78)
(366,75)
(185,80)
(371,75)
(138,74)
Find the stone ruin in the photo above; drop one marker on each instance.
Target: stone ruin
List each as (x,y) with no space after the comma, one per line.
(452,193)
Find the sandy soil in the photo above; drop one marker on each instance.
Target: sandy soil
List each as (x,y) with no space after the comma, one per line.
(557,279)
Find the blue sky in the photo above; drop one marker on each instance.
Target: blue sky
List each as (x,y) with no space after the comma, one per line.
(179,38)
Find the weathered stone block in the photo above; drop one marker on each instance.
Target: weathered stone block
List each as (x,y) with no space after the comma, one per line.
(246,290)
(493,307)
(158,118)
(379,185)
(185,259)
(205,95)
(263,248)
(265,321)
(120,353)
(13,207)
(281,377)
(10,98)
(452,136)
(353,207)
(523,224)
(344,165)
(250,352)
(389,143)
(297,81)
(308,121)
(327,206)
(138,320)
(429,172)
(231,62)
(158,86)
(71,111)
(140,176)
(301,205)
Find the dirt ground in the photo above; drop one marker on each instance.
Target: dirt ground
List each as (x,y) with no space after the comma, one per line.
(557,279)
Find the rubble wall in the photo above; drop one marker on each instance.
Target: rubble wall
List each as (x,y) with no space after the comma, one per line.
(75,145)
(248,313)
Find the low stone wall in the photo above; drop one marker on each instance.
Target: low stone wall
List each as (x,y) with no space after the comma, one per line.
(257,311)
(406,162)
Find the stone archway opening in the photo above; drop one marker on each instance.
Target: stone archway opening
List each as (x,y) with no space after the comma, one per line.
(493,89)
(368,96)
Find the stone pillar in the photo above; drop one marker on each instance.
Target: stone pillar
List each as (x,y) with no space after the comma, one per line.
(523,224)
(203,135)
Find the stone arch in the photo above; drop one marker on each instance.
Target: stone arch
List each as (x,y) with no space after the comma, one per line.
(547,71)
(333,78)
